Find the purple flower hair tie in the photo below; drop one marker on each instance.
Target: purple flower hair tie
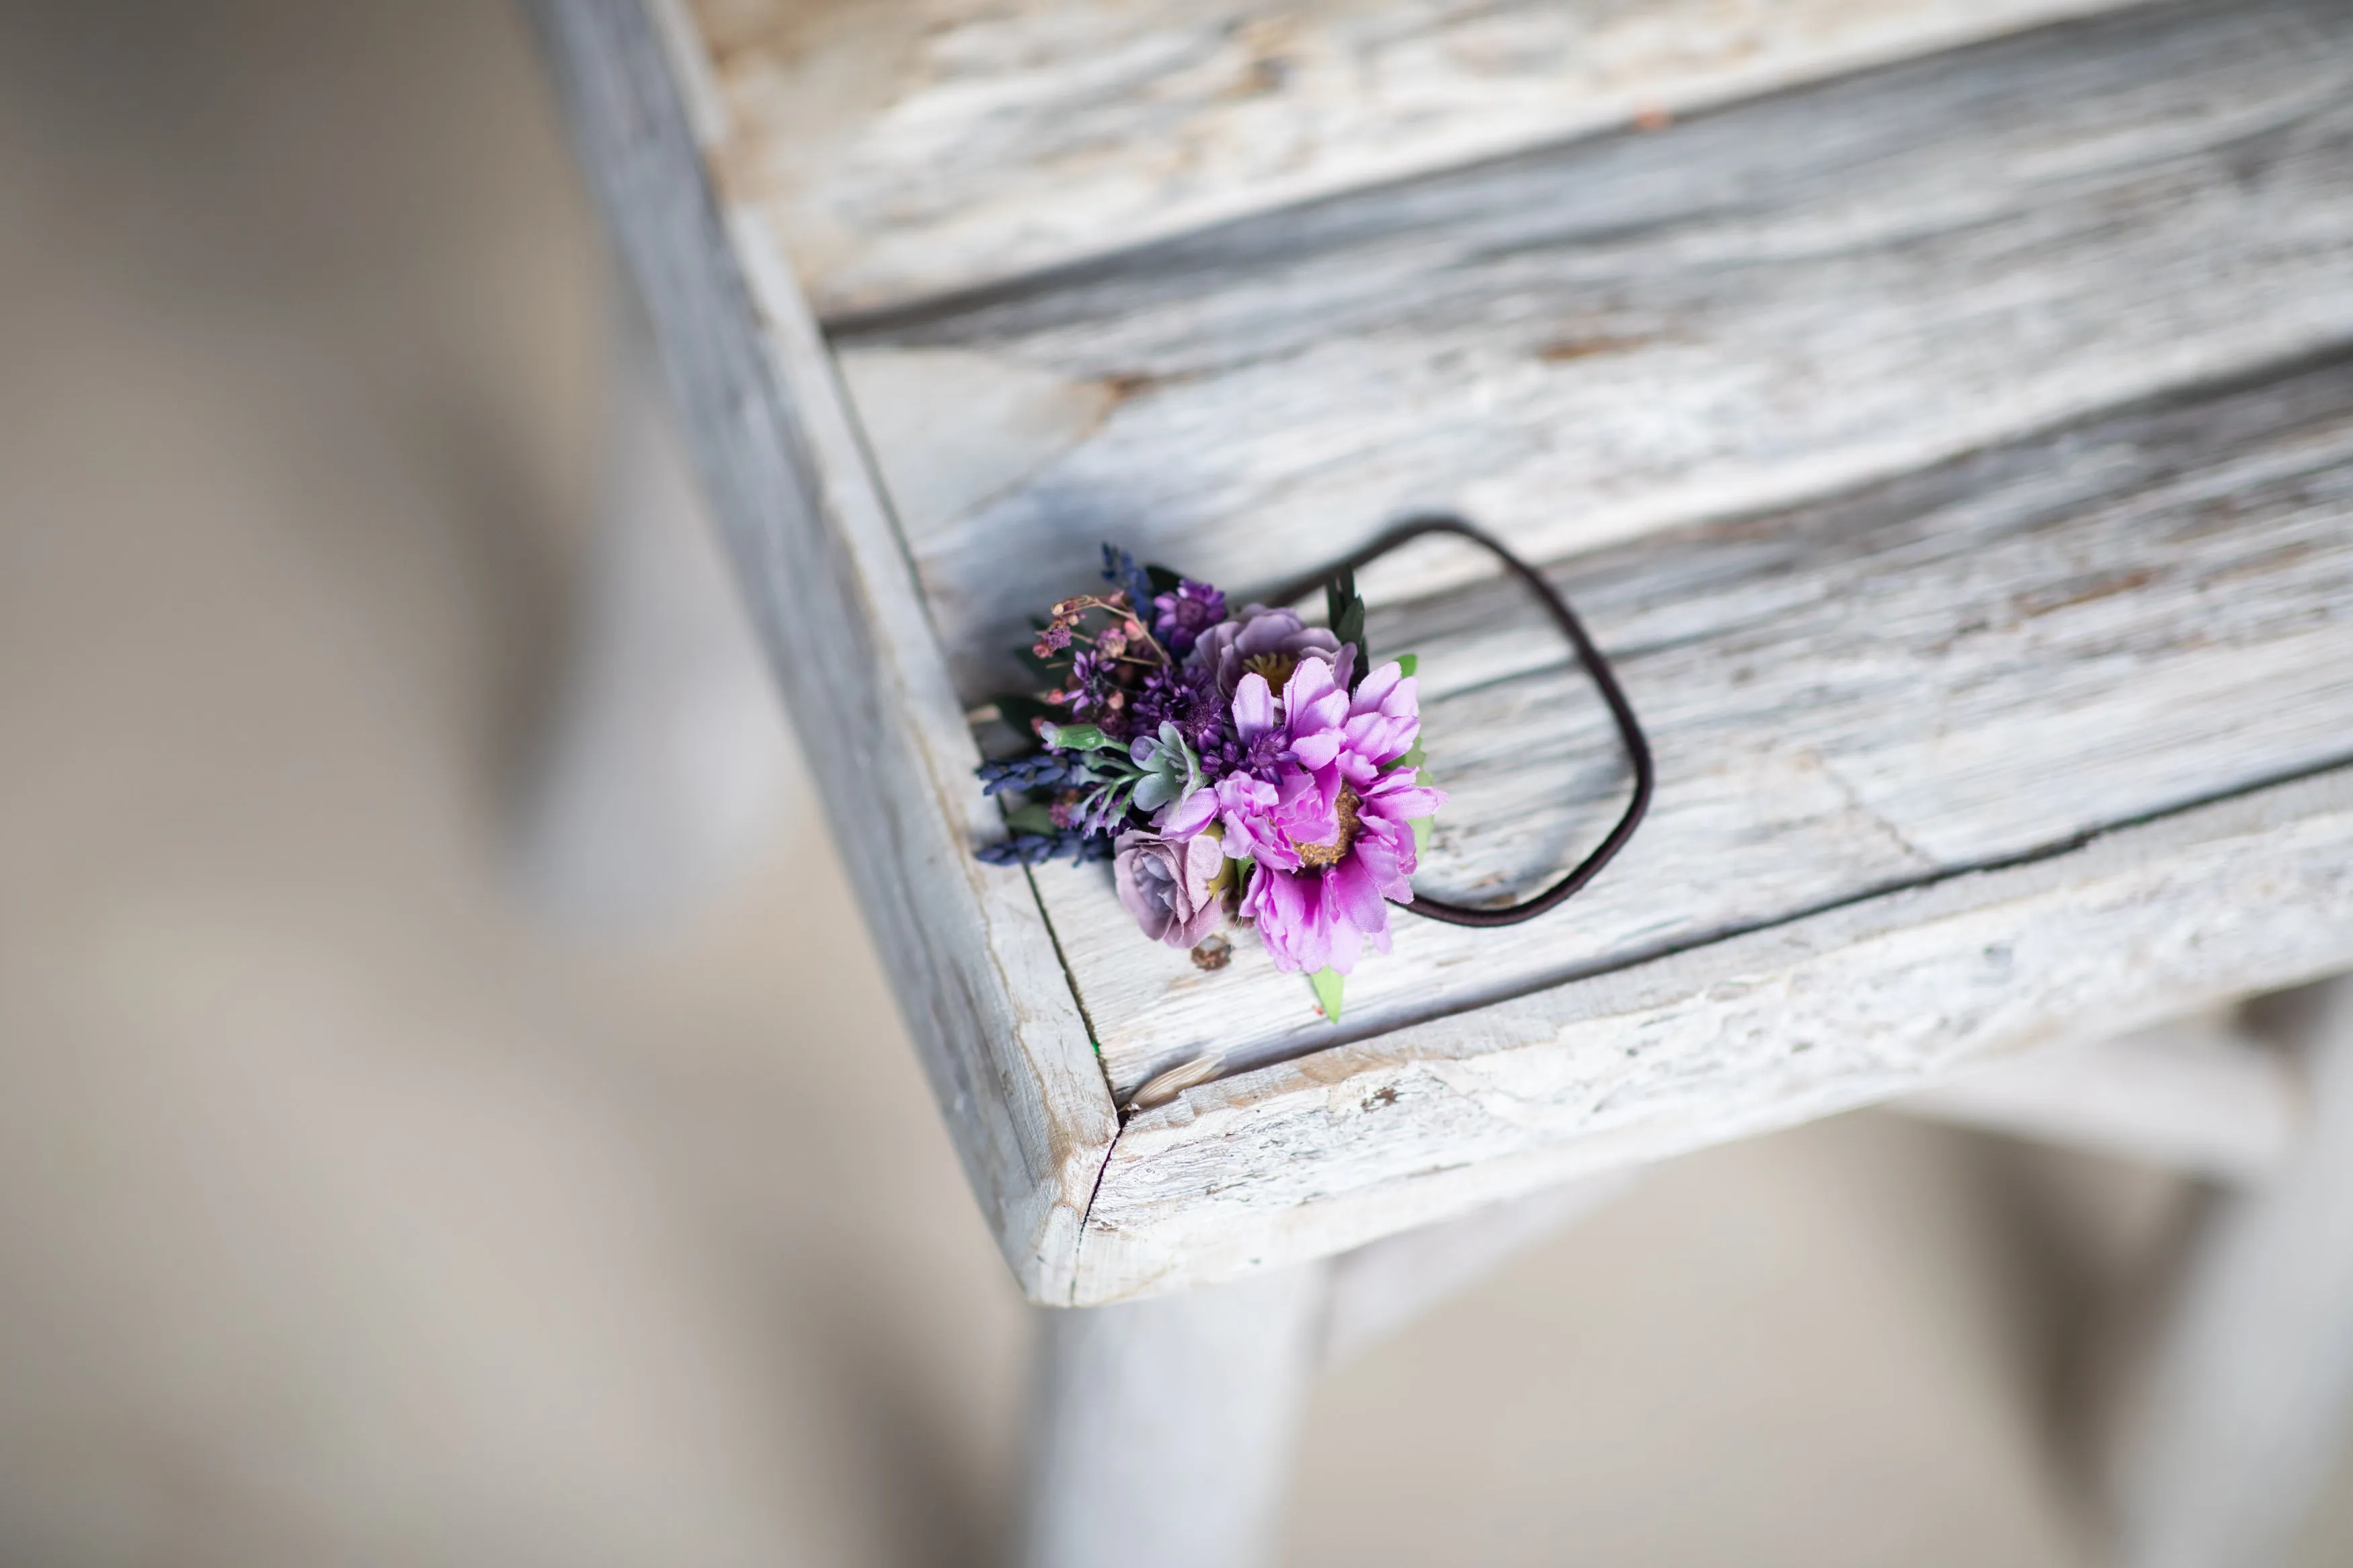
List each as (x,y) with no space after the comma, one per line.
(1252,767)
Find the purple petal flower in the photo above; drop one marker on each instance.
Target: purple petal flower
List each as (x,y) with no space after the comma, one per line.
(1182,695)
(1270,642)
(1255,713)
(1166,885)
(1180,618)
(1327,817)
(1269,820)
(1316,709)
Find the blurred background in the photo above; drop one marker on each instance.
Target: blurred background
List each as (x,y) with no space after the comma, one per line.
(350,1213)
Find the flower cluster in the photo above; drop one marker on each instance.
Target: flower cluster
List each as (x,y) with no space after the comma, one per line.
(1237,764)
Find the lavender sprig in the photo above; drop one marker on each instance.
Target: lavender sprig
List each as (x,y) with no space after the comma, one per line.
(1121,571)
(1037,848)
(1045,770)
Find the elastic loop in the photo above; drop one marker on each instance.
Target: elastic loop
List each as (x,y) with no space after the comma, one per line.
(1629,729)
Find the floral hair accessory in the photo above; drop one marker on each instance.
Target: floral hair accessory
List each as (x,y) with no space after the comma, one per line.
(1251,766)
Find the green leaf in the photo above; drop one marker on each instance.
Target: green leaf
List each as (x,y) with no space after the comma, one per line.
(1326,983)
(1338,589)
(1408,663)
(1345,612)
(1030,818)
(1163,580)
(1421,827)
(1075,738)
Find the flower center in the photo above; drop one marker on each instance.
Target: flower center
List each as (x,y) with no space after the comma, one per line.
(1275,667)
(1332,853)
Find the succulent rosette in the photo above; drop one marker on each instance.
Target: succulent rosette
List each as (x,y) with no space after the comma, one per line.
(1250,767)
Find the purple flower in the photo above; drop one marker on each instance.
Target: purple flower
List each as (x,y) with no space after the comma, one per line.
(1355,733)
(1182,617)
(1323,809)
(1093,692)
(1183,695)
(1269,642)
(1322,914)
(1269,803)
(1167,884)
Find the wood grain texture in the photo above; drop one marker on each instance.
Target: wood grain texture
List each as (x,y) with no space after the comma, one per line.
(979,985)
(912,148)
(1766,1029)
(1951,669)
(1758,305)
(2195,1094)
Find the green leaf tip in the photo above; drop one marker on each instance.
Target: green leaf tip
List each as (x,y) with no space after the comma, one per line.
(1346,611)
(1326,984)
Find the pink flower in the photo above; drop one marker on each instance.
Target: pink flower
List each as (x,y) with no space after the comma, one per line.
(1382,722)
(1321,914)
(1323,807)
(1166,884)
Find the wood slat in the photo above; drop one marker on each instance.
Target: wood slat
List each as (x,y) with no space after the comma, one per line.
(1814,1015)
(1941,672)
(970,958)
(1754,306)
(928,145)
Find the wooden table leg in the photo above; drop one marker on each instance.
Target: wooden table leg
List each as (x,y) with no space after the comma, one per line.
(1166,1428)
(2246,1400)
(665,763)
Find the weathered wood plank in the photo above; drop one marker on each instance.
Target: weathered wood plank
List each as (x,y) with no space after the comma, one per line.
(2193,1094)
(912,148)
(1814,1015)
(978,981)
(1754,306)
(1956,668)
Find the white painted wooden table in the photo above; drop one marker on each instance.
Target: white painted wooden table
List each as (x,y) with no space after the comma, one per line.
(1942,414)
